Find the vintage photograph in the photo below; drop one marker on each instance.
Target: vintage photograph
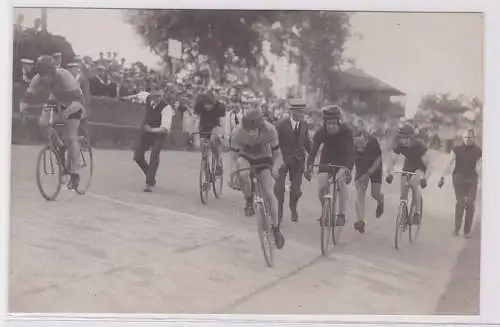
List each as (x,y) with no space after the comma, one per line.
(246,162)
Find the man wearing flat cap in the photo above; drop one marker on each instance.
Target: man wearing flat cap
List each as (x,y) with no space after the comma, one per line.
(294,143)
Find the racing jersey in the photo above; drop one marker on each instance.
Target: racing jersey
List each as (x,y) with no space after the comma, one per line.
(64,89)
(338,149)
(255,145)
(414,155)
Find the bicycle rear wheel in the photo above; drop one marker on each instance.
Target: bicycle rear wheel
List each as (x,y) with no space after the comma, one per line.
(326,223)
(204,180)
(401,221)
(266,236)
(87,166)
(217,180)
(48,163)
(415,229)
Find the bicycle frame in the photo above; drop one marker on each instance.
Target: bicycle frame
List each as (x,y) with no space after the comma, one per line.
(406,175)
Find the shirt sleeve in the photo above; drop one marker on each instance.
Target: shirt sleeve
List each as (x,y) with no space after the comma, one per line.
(274,139)
(166,117)
(376,147)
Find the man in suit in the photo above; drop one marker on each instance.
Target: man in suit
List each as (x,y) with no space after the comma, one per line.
(294,143)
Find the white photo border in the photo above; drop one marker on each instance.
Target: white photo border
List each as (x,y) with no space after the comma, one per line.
(490,283)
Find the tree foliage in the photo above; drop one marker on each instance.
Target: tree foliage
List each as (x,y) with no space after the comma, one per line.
(212,33)
(443,103)
(314,40)
(30,44)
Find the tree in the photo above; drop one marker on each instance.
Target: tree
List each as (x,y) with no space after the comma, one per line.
(213,33)
(30,44)
(314,40)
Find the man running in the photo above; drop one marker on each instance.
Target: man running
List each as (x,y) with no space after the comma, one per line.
(417,161)
(338,149)
(368,164)
(61,86)
(466,160)
(157,122)
(294,142)
(255,142)
(211,114)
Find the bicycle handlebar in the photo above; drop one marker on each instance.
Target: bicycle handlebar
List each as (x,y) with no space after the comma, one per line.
(251,168)
(204,133)
(403,172)
(331,166)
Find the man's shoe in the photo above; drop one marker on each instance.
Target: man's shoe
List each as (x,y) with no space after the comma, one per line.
(380,209)
(148,189)
(279,239)
(295,214)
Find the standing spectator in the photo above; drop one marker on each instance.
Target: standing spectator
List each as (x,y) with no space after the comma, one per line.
(466,159)
(99,83)
(294,142)
(75,69)
(157,121)
(57,59)
(28,70)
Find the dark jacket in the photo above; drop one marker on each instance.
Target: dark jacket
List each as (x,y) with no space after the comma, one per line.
(293,144)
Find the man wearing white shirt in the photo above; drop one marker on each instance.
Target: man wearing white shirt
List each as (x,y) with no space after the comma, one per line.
(157,122)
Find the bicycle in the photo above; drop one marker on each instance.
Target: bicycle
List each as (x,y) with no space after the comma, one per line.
(46,165)
(403,221)
(329,210)
(208,177)
(261,207)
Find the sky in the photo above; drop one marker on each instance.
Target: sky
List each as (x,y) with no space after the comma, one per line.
(417,53)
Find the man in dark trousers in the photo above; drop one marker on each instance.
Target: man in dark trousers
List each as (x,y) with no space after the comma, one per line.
(465,162)
(294,141)
(157,121)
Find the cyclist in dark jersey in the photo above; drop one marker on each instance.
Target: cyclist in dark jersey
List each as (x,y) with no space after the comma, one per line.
(211,113)
(338,149)
(466,160)
(416,161)
(368,164)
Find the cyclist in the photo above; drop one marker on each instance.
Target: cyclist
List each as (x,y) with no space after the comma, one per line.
(368,164)
(417,161)
(255,142)
(59,84)
(466,158)
(338,149)
(211,114)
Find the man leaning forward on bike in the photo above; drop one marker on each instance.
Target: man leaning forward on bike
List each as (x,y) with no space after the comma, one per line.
(60,85)
(338,149)
(255,142)
(417,161)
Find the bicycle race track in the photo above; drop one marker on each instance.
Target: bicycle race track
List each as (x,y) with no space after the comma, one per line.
(117,249)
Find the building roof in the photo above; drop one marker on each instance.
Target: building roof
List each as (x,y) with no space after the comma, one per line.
(354,79)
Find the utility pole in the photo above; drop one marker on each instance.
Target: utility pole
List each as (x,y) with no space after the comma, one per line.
(44,19)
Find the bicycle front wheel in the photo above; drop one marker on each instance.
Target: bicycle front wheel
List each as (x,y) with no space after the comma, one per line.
(326,223)
(401,220)
(336,230)
(204,180)
(266,236)
(86,166)
(48,166)
(217,179)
